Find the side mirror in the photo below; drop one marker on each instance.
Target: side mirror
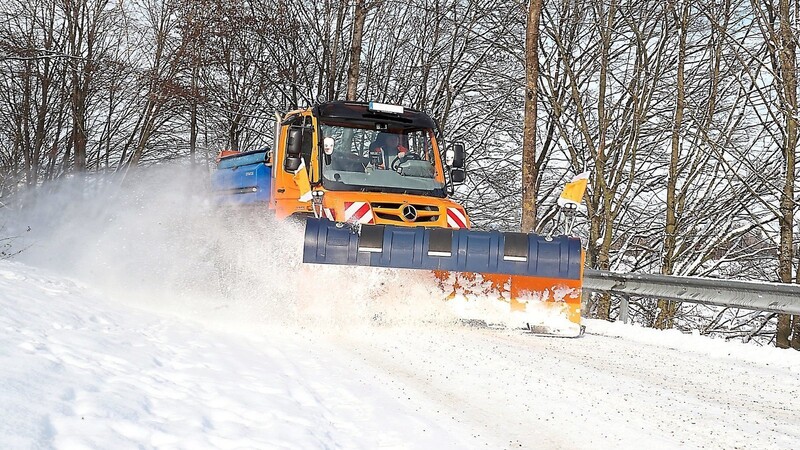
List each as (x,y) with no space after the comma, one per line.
(455,156)
(293,146)
(457,175)
(292,164)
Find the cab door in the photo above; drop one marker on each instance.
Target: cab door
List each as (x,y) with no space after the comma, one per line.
(295,140)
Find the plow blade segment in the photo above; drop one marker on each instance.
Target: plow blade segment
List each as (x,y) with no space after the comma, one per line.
(452,250)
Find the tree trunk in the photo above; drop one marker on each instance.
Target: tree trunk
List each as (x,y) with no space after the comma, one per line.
(148,124)
(193,119)
(355,50)
(530,172)
(23,127)
(785,255)
(333,66)
(667,309)
(794,341)
(605,214)
(79,138)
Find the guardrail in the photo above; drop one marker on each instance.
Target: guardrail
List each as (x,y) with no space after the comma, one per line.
(756,295)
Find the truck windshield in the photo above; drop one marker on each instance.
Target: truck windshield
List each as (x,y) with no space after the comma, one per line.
(390,160)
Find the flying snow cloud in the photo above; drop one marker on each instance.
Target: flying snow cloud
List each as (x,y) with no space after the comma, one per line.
(155,239)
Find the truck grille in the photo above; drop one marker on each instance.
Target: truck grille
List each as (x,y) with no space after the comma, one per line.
(398,212)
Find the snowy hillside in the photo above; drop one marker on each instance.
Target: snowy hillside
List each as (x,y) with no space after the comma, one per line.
(146,319)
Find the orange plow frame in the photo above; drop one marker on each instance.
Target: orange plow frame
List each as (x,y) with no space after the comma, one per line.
(515,288)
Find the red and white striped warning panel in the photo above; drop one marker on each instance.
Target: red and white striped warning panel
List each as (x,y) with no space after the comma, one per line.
(456,218)
(328,213)
(358,212)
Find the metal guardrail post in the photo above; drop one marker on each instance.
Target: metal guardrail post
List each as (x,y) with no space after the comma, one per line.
(623,308)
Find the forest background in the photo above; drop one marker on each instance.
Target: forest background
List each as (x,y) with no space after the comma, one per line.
(684,113)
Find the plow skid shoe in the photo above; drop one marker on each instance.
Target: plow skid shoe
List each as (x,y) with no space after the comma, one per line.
(518,268)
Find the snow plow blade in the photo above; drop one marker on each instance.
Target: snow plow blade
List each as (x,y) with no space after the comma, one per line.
(516,267)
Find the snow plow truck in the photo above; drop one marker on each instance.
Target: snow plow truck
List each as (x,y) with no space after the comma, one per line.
(374,182)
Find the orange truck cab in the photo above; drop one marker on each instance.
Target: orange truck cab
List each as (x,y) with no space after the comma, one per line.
(366,163)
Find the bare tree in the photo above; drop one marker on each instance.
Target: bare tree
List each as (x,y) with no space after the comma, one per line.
(87,42)
(781,47)
(667,309)
(530,172)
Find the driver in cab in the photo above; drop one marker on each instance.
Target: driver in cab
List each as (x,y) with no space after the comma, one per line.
(386,148)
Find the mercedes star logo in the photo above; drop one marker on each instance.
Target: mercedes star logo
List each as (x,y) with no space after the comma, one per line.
(409,213)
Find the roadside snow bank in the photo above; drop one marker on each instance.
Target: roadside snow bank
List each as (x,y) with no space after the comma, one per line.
(703,345)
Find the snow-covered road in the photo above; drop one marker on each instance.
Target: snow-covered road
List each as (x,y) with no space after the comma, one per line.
(595,392)
(144,318)
(78,370)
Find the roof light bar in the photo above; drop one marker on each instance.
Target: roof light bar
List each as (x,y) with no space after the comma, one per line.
(386,108)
